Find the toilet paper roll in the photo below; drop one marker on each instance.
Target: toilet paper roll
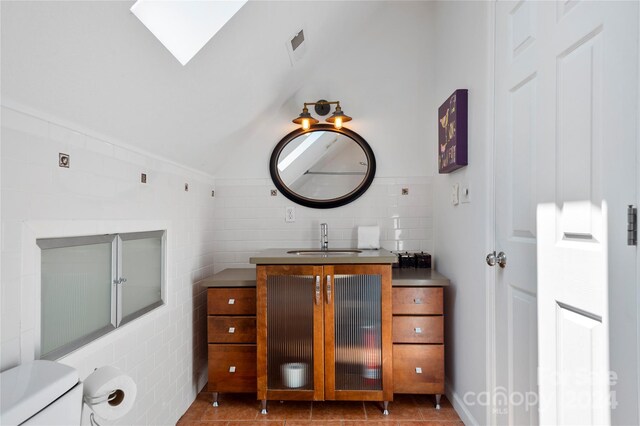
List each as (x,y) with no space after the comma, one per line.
(369,237)
(109,392)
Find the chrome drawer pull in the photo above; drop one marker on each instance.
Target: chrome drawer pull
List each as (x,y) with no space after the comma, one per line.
(417,301)
(232,301)
(232,330)
(418,370)
(232,369)
(418,330)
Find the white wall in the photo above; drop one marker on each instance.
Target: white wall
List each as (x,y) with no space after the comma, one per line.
(384,79)
(248,219)
(165,350)
(462,234)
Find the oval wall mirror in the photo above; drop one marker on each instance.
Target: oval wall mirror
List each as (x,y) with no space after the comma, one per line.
(322,167)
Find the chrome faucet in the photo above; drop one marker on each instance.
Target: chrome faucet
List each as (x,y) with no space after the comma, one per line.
(324,236)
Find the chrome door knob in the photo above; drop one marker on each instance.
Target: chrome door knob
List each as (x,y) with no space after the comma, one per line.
(491,258)
(502,259)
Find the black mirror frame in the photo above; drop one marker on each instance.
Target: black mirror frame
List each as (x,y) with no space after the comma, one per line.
(333,202)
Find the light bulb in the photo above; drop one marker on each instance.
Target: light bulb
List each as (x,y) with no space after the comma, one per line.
(338,123)
(306,124)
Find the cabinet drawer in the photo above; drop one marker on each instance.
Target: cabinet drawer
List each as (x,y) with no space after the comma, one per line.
(231,329)
(418,368)
(418,329)
(417,300)
(232,368)
(231,301)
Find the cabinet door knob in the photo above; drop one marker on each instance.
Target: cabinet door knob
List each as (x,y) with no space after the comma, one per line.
(232,301)
(417,301)
(232,369)
(418,370)
(232,330)
(418,330)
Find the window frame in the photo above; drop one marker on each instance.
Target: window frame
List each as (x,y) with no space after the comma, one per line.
(116,321)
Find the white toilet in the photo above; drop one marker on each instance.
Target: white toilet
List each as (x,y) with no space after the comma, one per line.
(40,393)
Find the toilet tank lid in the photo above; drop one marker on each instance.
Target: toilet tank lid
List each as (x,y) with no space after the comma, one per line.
(30,387)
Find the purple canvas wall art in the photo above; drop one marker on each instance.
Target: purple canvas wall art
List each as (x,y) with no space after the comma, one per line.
(452,132)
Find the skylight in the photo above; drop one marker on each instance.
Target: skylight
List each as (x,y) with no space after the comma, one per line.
(185,26)
(310,139)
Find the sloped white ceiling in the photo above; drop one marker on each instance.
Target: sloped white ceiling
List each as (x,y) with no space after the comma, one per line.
(94,64)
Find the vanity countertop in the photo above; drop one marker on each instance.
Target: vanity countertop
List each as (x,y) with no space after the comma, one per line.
(284,257)
(246,277)
(418,277)
(231,277)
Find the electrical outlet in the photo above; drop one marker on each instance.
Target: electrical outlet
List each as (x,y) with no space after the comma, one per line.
(465,195)
(455,194)
(290,214)
(143,178)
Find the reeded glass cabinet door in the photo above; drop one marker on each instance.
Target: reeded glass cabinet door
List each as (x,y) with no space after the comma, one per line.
(358,329)
(290,355)
(357,332)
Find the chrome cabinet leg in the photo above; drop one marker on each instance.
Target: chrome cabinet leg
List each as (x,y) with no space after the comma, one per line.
(385,411)
(264,407)
(215,399)
(438,396)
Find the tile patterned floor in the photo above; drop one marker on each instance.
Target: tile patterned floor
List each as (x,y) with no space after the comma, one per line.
(244,410)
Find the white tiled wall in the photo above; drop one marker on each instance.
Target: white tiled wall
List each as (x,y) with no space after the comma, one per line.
(248,219)
(165,350)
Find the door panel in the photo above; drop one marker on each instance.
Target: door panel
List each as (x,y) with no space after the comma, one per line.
(523,358)
(580,338)
(524,156)
(521,167)
(566,99)
(579,123)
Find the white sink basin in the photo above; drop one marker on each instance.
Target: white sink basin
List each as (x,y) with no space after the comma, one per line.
(320,252)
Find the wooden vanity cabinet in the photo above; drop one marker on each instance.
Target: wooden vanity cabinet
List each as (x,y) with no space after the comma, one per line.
(418,341)
(231,336)
(324,332)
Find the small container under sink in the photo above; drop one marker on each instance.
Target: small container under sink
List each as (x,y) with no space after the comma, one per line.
(294,374)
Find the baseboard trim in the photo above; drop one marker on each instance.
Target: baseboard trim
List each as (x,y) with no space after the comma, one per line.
(460,407)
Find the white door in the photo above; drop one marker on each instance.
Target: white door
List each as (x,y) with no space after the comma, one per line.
(566,115)
(520,165)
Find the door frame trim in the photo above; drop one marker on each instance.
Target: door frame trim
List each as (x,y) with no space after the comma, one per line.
(638,203)
(490,236)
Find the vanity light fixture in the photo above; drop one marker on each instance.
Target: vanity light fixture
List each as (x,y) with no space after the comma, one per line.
(322,108)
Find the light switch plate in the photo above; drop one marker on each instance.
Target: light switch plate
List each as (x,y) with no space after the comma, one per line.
(465,194)
(455,194)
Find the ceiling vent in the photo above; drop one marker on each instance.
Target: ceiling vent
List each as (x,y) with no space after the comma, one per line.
(297,47)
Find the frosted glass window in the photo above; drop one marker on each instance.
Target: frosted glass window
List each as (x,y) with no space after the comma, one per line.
(91,285)
(76,295)
(142,268)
